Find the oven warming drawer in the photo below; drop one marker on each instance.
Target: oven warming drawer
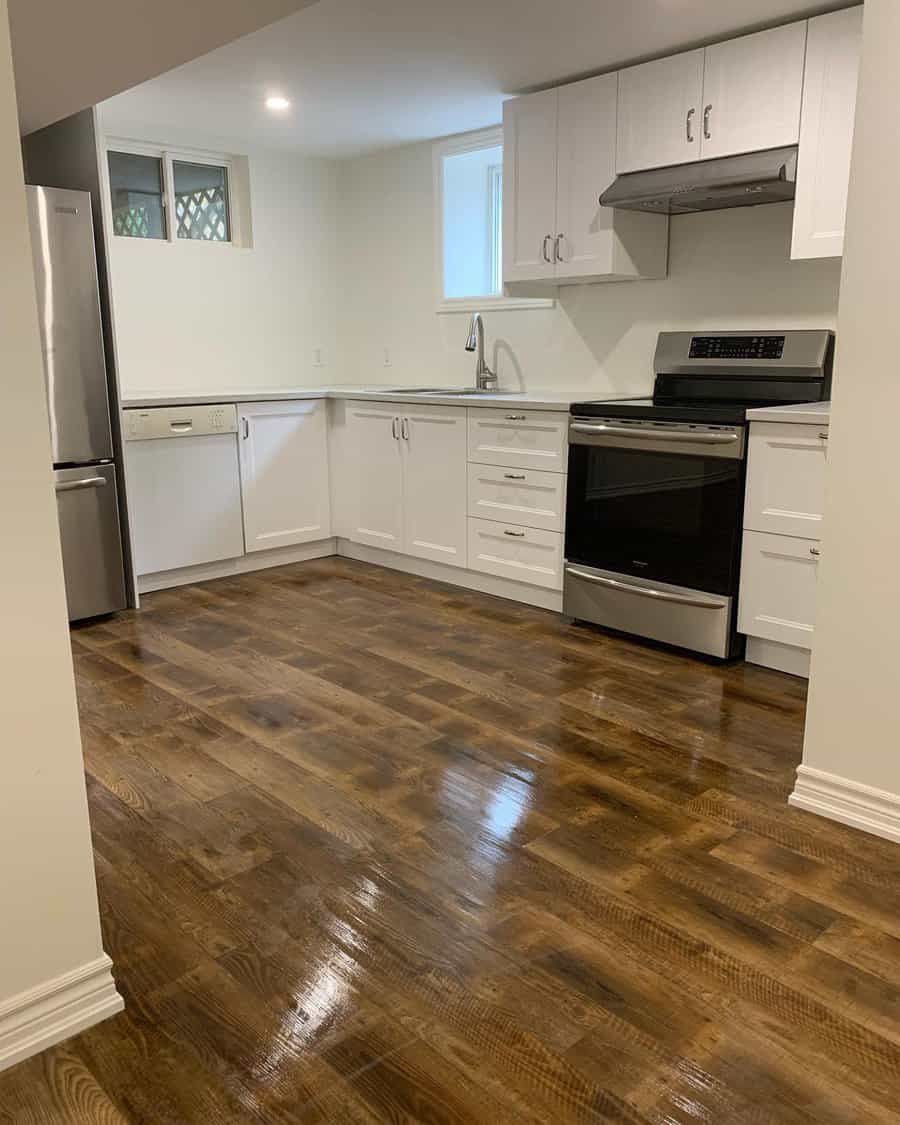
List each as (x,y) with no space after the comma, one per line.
(671,614)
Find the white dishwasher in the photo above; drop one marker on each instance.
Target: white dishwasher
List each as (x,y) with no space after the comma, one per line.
(184,486)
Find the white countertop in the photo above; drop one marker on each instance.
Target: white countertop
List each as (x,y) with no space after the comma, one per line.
(527,400)
(809,413)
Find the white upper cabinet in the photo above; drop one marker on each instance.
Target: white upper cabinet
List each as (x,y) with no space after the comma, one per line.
(743,95)
(752,90)
(529,187)
(590,240)
(558,156)
(433,441)
(826,133)
(284,473)
(660,105)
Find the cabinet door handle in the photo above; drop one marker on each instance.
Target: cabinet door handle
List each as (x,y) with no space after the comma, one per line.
(513,476)
(689,125)
(707,110)
(395,428)
(515,534)
(245,423)
(544,252)
(557,248)
(404,428)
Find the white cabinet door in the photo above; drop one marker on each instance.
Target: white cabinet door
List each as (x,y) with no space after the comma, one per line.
(434,483)
(659,113)
(373,435)
(826,133)
(595,241)
(284,473)
(786,479)
(778,588)
(529,187)
(752,90)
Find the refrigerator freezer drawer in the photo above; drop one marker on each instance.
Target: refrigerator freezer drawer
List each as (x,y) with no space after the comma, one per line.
(91,542)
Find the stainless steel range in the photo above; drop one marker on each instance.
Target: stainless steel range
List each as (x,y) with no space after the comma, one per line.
(656,486)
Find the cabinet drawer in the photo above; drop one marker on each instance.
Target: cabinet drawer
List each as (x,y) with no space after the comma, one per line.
(520,439)
(512,551)
(778,588)
(786,479)
(520,496)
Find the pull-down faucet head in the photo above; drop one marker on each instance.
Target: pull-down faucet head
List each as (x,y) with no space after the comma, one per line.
(484,377)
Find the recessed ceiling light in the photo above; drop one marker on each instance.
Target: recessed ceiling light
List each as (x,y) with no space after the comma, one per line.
(277,102)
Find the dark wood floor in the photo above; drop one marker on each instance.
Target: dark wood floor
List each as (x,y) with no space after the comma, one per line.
(371,849)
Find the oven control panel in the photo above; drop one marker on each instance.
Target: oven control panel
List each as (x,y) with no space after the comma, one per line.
(736,347)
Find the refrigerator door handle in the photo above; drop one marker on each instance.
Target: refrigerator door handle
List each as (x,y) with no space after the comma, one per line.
(85,482)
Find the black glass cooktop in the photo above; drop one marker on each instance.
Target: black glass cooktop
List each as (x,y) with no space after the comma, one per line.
(721,413)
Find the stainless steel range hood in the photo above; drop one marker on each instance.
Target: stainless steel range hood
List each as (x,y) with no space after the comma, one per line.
(708,185)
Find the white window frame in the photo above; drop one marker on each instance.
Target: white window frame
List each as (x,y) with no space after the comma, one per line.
(168,155)
(454,146)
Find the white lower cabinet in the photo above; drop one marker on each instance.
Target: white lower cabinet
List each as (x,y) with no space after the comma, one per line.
(516,438)
(519,496)
(284,473)
(408,478)
(783,517)
(778,588)
(523,554)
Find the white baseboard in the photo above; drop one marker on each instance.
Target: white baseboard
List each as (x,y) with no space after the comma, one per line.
(781,657)
(255,560)
(839,798)
(37,1019)
(454,575)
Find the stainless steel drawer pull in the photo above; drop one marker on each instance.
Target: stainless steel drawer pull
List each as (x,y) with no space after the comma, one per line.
(515,417)
(815,551)
(85,482)
(824,435)
(515,534)
(652,434)
(648,591)
(513,476)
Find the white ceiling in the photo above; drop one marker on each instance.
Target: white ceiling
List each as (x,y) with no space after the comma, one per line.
(68,54)
(369,74)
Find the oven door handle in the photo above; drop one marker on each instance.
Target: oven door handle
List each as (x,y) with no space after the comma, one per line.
(654,434)
(648,591)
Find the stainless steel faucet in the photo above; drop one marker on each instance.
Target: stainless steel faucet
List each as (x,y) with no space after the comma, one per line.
(484,377)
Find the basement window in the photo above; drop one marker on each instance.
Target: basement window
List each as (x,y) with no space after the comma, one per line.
(176,195)
(468,188)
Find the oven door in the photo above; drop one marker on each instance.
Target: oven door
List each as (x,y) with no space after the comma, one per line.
(661,502)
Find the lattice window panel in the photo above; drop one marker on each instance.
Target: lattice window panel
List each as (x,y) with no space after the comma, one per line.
(202,214)
(132,222)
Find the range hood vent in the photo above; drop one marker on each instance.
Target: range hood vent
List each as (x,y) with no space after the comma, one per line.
(708,185)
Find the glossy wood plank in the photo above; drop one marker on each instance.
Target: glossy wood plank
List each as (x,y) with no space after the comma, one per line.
(373,849)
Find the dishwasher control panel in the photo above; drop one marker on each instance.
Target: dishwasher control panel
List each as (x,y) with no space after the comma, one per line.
(158,422)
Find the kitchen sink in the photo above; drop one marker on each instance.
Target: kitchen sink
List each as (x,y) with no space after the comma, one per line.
(457,392)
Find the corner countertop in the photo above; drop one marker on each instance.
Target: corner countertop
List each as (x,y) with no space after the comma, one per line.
(526,400)
(808,413)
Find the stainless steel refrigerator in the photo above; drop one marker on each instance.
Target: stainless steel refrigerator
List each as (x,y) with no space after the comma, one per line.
(65,269)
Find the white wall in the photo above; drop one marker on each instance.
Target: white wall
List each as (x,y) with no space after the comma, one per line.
(853,727)
(210,317)
(729,269)
(48,904)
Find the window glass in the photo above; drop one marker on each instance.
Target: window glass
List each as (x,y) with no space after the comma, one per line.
(201,201)
(136,187)
(472,222)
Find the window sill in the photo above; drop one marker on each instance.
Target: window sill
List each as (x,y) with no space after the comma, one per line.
(492,304)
